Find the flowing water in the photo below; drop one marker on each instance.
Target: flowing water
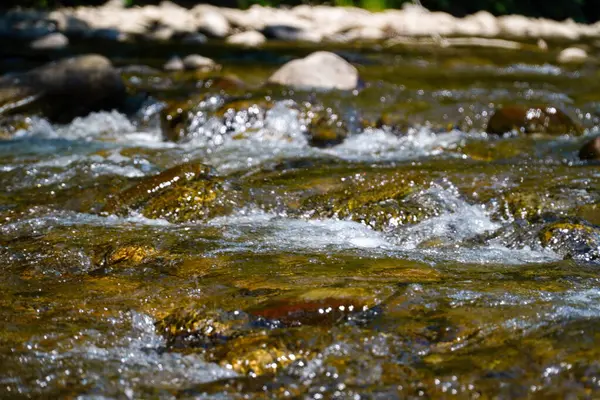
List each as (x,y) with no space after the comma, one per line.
(407,260)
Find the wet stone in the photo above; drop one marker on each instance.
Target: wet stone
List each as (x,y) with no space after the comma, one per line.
(11,125)
(393,122)
(379,201)
(572,238)
(533,204)
(184,193)
(544,120)
(268,352)
(327,131)
(174,120)
(201,327)
(319,307)
(590,150)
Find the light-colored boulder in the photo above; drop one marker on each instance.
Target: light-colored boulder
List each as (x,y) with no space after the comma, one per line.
(114,4)
(416,21)
(572,55)
(321,70)
(247,39)
(566,30)
(174,64)
(53,41)
(480,24)
(365,33)
(160,34)
(210,21)
(518,27)
(171,16)
(258,18)
(198,62)
(330,21)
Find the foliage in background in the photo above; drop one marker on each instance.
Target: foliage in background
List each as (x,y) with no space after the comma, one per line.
(579,10)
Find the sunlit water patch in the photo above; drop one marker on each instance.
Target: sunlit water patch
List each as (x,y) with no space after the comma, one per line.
(133,363)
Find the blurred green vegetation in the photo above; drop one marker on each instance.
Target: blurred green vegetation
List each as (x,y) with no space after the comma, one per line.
(579,10)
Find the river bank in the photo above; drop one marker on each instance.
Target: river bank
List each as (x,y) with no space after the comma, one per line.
(315,24)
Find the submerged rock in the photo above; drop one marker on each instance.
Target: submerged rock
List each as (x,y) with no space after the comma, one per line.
(572,238)
(64,89)
(533,203)
(590,150)
(546,120)
(130,253)
(326,131)
(324,306)
(184,193)
(590,213)
(201,327)
(174,120)
(320,70)
(379,201)
(270,335)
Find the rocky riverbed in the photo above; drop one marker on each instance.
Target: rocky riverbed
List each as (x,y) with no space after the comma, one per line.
(350,220)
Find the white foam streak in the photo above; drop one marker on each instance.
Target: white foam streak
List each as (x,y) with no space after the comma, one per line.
(461,221)
(378,145)
(257,231)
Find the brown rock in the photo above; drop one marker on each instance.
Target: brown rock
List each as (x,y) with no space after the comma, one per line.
(64,89)
(545,119)
(590,150)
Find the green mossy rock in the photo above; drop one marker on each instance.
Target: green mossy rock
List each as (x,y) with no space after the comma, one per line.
(326,131)
(531,204)
(265,352)
(11,124)
(184,193)
(394,122)
(545,120)
(202,328)
(486,150)
(590,213)
(572,238)
(174,120)
(377,200)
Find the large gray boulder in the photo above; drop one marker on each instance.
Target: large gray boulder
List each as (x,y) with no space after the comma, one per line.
(64,89)
(321,70)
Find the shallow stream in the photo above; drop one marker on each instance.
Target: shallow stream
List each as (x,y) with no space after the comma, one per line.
(405,260)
